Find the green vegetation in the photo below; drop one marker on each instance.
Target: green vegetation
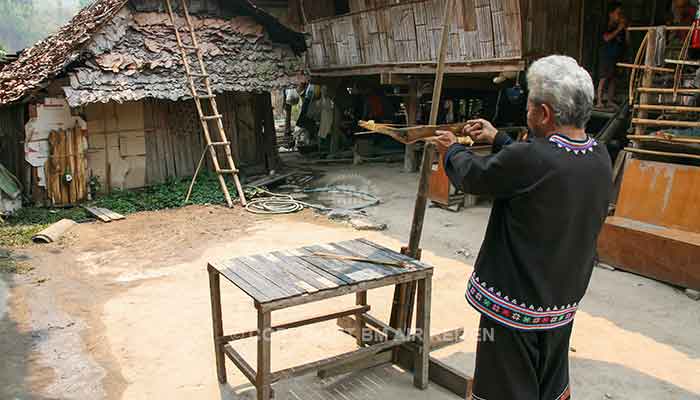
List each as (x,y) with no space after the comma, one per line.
(19,228)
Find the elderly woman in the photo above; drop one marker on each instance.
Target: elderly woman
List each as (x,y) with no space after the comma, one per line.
(551,199)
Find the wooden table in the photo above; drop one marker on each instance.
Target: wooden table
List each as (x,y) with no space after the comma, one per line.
(283,279)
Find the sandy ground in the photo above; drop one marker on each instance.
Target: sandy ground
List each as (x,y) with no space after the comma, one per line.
(121,310)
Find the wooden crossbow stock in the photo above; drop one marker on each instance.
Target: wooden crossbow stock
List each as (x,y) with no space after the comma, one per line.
(413,134)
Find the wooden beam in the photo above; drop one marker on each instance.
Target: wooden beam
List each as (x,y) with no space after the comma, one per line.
(241,363)
(665,123)
(295,324)
(333,362)
(663,153)
(362,364)
(392,79)
(423,68)
(439,373)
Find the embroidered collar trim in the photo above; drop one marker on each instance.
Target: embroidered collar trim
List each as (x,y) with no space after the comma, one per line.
(501,308)
(575,146)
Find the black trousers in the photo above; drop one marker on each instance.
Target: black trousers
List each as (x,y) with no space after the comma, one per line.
(517,365)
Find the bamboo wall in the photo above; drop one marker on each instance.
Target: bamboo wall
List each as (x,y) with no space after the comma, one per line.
(409,32)
(553,27)
(174,138)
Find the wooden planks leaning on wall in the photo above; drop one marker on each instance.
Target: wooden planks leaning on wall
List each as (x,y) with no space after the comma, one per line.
(409,32)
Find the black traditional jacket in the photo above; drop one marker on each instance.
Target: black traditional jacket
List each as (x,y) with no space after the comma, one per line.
(551,200)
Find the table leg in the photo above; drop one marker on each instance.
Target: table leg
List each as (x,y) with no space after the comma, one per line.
(215,294)
(360,300)
(422,360)
(263,378)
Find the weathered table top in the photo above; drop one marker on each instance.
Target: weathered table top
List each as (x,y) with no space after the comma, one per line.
(282,275)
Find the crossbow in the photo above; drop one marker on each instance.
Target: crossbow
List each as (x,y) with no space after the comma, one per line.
(413,134)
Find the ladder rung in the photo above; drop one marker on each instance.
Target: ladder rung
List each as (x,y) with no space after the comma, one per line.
(210,117)
(194,75)
(188,47)
(220,143)
(206,96)
(228,171)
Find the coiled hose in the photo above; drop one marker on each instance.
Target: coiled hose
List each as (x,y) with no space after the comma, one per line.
(278,204)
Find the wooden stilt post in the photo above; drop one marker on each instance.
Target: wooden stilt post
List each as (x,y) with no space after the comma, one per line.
(410,158)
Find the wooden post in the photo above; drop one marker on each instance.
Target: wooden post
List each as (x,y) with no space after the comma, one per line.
(437,89)
(422,360)
(263,380)
(648,78)
(360,300)
(215,295)
(406,299)
(410,159)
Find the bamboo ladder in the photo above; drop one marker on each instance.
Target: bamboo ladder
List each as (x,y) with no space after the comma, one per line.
(202,75)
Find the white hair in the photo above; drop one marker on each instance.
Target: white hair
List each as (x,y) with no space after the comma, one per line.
(565,86)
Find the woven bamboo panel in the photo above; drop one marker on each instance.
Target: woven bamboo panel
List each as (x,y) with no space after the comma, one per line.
(380,32)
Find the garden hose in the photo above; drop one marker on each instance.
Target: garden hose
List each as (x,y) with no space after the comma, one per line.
(278,204)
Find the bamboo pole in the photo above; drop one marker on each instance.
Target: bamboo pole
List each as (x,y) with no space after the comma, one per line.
(646,67)
(404,295)
(683,56)
(665,123)
(654,107)
(633,73)
(440,72)
(666,90)
(668,28)
(663,153)
(683,62)
(665,139)
(648,77)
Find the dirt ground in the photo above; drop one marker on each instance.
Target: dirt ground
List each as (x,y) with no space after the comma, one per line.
(121,310)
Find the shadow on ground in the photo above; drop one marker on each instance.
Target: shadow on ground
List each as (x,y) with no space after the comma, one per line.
(15,350)
(390,382)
